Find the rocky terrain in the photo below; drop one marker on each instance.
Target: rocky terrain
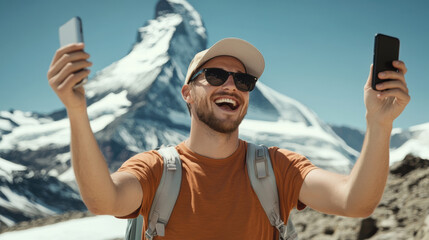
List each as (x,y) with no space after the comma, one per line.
(403,212)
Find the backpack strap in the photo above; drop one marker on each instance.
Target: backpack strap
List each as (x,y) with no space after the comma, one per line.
(164,200)
(166,194)
(263,181)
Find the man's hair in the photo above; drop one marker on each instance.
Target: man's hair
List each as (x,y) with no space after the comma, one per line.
(192,83)
(188,104)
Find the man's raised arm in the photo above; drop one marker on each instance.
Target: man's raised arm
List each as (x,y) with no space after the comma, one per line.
(358,194)
(119,194)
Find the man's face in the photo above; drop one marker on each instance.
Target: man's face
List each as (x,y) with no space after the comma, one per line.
(222,108)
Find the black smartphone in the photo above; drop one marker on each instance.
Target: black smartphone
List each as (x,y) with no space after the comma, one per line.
(71,32)
(386,50)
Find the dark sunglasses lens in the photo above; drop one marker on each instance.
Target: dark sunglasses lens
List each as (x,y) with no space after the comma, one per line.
(244,82)
(215,76)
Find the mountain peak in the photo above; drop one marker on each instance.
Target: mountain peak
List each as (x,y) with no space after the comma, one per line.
(164,7)
(183,8)
(165,46)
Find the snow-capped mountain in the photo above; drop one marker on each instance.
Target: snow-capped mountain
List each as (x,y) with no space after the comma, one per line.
(352,136)
(27,194)
(277,120)
(135,105)
(414,140)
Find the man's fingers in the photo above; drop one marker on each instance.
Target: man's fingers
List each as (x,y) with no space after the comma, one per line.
(64,59)
(400,95)
(400,65)
(392,85)
(69,69)
(72,80)
(74,47)
(392,75)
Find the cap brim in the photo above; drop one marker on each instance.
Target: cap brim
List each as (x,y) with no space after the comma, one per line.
(242,50)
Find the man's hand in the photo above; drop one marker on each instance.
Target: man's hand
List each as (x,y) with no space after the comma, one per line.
(65,72)
(386,104)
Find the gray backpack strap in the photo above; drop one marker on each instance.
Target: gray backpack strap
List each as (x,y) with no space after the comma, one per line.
(166,194)
(263,181)
(164,200)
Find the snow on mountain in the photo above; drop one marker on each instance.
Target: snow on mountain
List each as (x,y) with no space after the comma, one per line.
(7,168)
(25,194)
(41,144)
(12,119)
(163,50)
(276,120)
(94,228)
(414,140)
(34,133)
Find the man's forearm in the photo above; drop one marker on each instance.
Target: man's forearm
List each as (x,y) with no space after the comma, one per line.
(92,174)
(369,175)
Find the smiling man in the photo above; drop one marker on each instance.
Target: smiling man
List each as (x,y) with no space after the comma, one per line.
(216,199)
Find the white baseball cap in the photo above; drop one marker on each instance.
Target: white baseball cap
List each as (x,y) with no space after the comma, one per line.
(248,54)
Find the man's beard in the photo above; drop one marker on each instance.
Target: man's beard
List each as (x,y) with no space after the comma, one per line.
(208,117)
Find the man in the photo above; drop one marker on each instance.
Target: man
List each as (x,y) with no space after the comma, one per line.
(216,200)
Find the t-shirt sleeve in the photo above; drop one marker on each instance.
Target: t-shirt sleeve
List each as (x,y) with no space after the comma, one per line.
(290,169)
(147,168)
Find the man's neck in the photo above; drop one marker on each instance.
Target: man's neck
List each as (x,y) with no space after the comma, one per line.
(209,143)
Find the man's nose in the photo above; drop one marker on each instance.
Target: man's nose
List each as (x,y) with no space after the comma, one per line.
(229,84)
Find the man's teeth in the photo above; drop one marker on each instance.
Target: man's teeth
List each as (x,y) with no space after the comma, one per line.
(226,100)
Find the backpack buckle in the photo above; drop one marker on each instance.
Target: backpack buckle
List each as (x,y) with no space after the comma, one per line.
(261,165)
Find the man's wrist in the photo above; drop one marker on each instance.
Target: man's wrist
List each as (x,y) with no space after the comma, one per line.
(379,126)
(380,123)
(76,111)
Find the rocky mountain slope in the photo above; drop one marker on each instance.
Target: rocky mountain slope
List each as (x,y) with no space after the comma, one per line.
(403,212)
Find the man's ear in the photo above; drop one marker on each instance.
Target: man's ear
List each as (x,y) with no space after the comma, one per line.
(186,93)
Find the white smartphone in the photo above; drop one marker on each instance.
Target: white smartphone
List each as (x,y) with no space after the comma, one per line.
(71,32)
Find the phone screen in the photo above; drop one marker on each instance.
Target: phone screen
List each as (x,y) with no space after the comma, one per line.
(386,50)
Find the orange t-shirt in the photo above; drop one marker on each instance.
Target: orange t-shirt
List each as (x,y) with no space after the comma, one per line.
(216,199)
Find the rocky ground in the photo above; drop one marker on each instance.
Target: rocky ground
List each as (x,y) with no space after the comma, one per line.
(403,212)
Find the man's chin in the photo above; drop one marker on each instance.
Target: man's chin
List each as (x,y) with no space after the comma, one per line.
(223,129)
(219,120)
(226,126)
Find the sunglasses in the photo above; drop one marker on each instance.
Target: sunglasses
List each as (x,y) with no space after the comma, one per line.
(217,76)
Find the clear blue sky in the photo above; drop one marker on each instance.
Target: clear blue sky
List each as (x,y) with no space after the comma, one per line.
(317,52)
